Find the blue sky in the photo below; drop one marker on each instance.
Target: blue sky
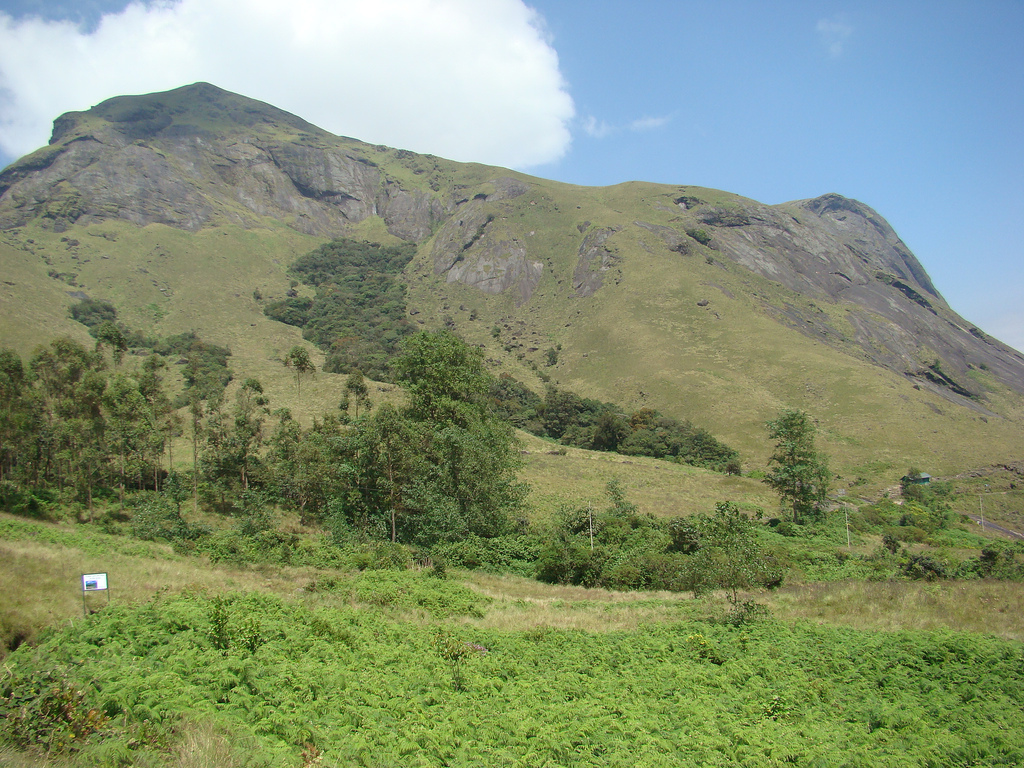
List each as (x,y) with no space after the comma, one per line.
(914,108)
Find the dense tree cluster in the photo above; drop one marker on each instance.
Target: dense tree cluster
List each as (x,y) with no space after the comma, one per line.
(439,468)
(69,427)
(586,423)
(444,466)
(620,548)
(358,315)
(76,421)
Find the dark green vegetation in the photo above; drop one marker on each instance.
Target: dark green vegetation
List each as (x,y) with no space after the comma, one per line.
(797,471)
(358,315)
(336,676)
(598,426)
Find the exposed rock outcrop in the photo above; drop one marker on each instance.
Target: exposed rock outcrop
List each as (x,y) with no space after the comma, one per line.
(197,155)
(593,261)
(473,249)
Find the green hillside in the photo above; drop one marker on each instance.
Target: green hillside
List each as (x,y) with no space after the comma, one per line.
(728,366)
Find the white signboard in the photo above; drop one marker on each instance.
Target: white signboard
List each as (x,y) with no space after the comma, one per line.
(94,582)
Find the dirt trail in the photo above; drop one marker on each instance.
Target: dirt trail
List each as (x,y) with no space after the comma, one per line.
(990,526)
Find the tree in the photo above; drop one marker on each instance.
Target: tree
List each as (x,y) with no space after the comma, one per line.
(129,430)
(195,410)
(233,440)
(460,471)
(356,390)
(166,420)
(250,411)
(610,430)
(561,411)
(299,361)
(798,472)
(110,334)
(392,461)
(71,384)
(444,375)
(309,468)
(728,555)
(15,413)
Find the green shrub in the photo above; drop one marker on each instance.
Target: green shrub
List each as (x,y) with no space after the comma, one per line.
(385,556)
(700,648)
(745,612)
(219,636)
(456,653)
(787,528)
(26,502)
(48,709)
(926,567)
(155,518)
(511,553)
(700,235)
(570,563)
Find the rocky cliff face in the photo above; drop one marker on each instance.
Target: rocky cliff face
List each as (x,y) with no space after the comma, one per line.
(199,157)
(840,250)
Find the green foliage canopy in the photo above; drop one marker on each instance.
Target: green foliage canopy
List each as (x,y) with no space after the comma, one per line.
(443,466)
(358,316)
(586,423)
(798,472)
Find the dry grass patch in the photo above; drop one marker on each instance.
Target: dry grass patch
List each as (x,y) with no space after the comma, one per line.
(558,475)
(43,587)
(203,744)
(209,745)
(982,607)
(522,604)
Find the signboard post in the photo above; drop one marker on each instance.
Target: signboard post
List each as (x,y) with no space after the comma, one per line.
(93,582)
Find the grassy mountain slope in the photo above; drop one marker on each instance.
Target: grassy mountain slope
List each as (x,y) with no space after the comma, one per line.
(182,208)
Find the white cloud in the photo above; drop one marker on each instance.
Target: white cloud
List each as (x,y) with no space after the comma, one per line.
(598,129)
(833,34)
(471,80)
(649,123)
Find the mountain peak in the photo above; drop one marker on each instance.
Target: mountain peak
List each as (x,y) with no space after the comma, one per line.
(197,109)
